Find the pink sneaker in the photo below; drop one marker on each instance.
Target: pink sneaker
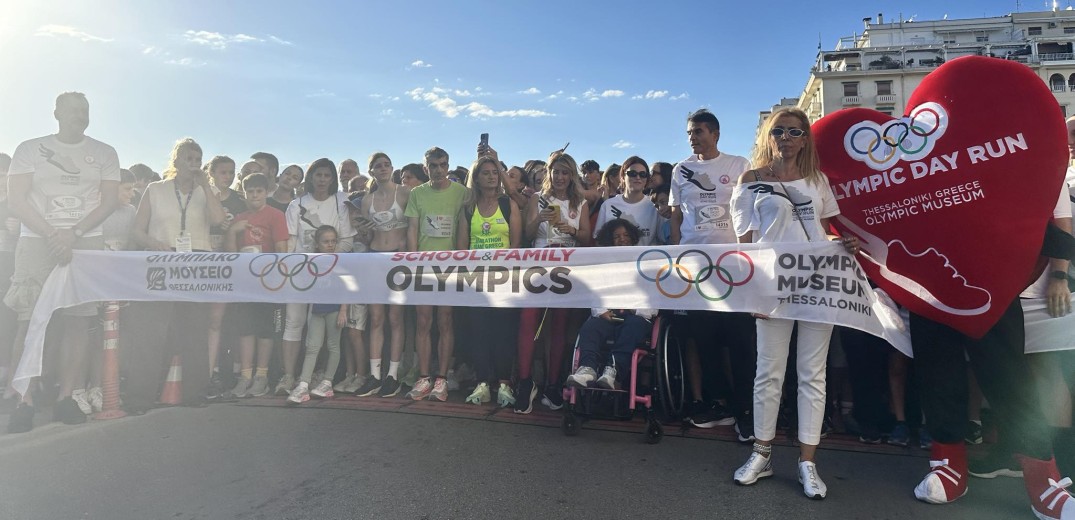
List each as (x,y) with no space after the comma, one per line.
(440,390)
(421,389)
(323,390)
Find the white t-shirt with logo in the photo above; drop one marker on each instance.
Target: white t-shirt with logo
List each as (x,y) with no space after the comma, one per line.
(1064,208)
(67,178)
(305,214)
(547,235)
(642,214)
(703,192)
(783,212)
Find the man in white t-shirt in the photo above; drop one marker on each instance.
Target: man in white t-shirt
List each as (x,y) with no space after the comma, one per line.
(62,187)
(700,198)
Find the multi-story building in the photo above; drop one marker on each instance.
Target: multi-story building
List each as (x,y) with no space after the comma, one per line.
(881,67)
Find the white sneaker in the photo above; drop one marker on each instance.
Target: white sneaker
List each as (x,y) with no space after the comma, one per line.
(300,394)
(757,467)
(242,388)
(96,398)
(345,383)
(582,377)
(608,378)
(285,385)
(79,397)
(504,396)
(480,395)
(356,383)
(813,487)
(323,390)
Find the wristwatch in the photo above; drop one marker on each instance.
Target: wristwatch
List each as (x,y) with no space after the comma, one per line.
(1059,275)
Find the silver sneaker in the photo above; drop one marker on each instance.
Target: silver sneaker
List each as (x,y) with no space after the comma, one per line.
(339,387)
(79,396)
(813,487)
(259,387)
(608,378)
(582,377)
(242,388)
(284,386)
(757,467)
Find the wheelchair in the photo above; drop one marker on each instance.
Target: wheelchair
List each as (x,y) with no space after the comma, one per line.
(657,385)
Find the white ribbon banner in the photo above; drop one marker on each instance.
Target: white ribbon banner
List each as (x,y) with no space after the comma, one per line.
(805,281)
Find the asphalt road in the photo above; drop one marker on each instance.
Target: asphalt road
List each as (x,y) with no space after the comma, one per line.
(232,461)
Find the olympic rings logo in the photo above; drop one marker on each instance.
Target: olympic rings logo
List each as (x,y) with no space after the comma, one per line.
(682,267)
(300,270)
(909,139)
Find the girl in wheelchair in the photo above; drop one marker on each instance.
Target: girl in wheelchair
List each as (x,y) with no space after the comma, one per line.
(626,328)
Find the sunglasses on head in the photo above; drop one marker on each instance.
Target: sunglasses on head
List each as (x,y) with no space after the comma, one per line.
(632,174)
(791,132)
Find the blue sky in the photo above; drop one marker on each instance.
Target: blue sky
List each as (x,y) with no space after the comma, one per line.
(344,79)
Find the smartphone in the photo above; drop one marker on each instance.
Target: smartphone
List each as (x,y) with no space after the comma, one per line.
(484,141)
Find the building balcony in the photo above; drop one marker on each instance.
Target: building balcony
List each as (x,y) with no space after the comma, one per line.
(852,100)
(1057,56)
(886,99)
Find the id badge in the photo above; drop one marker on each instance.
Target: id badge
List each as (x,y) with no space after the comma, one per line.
(183,243)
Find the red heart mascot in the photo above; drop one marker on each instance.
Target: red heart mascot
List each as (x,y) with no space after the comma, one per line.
(951,201)
(950,204)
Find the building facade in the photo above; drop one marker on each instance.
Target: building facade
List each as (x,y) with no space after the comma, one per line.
(881,67)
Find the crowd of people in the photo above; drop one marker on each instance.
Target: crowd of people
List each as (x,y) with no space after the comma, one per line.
(67,192)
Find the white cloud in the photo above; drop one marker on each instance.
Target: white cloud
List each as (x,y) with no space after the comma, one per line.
(651,94)
(594,95)
(186,62)
(281,41)
(450,108)
(221,41)
(679,97)
(419,64)
(53,30)
(530,91)
(621,144)
(151,50)
(463,93)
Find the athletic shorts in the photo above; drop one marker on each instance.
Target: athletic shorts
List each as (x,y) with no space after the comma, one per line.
(33,264)
(261,320)
(356,317)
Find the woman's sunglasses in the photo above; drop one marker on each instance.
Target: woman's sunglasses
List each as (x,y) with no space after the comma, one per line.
(791,132)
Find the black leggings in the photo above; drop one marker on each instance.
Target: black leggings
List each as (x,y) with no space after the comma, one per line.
(1003,373)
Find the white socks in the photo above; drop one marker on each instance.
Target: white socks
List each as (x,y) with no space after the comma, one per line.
(375,368)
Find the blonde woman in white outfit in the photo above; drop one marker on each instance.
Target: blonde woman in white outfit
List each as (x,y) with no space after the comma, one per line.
(787,199)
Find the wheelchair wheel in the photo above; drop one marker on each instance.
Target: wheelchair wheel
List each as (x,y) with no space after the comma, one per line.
(671,383)
(570,424)
(654,432)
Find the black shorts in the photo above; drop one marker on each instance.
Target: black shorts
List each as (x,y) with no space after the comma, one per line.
(262,320)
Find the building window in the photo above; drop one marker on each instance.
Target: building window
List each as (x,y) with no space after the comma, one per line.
(1064,110)
(1034,31)
(885,111)
(851,89)
(949,42)
(884,88)
(981,38)
(1069,29)
(1056,83)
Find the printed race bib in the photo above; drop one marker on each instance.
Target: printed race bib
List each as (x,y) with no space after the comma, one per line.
(713,216)
(64,208)
(437,226)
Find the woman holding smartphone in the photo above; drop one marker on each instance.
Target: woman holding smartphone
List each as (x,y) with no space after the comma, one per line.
(558,218)
(491,220)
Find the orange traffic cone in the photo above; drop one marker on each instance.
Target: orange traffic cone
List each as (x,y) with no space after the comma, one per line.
(172,394)
(110,376)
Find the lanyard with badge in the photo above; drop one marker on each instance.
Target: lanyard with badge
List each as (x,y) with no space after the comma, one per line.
(183,243)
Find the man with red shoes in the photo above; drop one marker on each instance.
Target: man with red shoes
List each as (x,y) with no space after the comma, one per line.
(1004,375)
